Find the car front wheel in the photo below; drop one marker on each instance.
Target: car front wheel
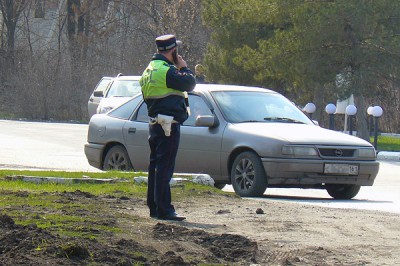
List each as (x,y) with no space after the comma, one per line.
(117,159)
(248,175)
(341,191)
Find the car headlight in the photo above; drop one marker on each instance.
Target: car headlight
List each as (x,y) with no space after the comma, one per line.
(367,153)
(299,150)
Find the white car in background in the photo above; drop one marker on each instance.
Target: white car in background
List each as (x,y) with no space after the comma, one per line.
(118,90)
(97,95)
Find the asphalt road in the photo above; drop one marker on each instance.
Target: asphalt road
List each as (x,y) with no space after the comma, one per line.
(59,146)
(53,146)
(384,195)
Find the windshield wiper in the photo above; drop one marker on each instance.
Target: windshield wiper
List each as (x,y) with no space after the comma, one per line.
(249,121)
(283,119)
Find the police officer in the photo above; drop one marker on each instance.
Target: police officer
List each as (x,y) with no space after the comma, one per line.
(164,84)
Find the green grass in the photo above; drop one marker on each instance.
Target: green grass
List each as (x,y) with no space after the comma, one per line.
(128,188)
(54,206)
(387,143)
(110,174)
(123,188)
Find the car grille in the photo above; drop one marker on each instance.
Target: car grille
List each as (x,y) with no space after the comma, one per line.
(336,152)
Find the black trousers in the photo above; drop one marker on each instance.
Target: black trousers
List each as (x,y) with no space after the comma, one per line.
(163,152)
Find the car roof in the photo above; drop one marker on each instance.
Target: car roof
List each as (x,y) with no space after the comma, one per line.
(128,78)
(221,87)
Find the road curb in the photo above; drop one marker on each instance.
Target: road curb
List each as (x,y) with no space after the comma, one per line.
(388,156)
(198,178)
(62,180)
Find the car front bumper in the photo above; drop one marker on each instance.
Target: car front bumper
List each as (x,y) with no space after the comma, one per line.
(299,172)
(93,154)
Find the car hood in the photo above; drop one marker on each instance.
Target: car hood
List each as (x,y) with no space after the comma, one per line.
(300,134)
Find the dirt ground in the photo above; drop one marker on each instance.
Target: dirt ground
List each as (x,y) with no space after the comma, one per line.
(219,230)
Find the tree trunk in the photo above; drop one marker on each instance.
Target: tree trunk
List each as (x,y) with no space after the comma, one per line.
(11,23)
(11,10)
(39,8)
(362,119)
(318,100)
(10,45)
(78,31)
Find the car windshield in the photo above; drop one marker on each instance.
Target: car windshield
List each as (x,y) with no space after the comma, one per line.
(255,106)
(124,88)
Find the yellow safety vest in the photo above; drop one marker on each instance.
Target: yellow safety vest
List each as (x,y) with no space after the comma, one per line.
(154,81)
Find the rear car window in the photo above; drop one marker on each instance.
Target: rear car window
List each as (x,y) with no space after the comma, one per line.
(125,111)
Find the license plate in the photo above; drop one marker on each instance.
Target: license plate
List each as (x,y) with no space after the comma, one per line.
(342,169)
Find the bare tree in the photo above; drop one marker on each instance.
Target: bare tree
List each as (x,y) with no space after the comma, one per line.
(39,8)
(78,23)
(11,11)
(184,19)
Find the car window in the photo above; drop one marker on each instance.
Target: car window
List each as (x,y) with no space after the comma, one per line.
(244,106)
(142,115)
(125,111)
(102,85)
(124,88)
(197,107)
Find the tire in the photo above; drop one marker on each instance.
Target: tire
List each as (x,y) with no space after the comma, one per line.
(219,186)
(248,175)
(117,159)
(341,191)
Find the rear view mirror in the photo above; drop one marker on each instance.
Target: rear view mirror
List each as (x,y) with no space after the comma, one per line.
(98,94)
(206,121)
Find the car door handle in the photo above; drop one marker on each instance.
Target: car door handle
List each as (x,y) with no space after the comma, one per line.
(132,130)
(90,99)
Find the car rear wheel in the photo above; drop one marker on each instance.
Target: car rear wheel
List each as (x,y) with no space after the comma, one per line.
(248,175)
(341,191)
(117,159)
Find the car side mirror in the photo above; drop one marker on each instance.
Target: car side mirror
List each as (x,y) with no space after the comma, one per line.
(98,94)
(206,121)
(316,122)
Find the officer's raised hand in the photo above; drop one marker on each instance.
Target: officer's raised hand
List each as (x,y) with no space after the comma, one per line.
(180,62)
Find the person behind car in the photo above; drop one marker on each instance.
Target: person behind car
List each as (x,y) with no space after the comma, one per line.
(199,71)
(164,83)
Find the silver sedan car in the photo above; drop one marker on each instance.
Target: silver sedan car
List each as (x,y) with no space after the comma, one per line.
(252,138)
